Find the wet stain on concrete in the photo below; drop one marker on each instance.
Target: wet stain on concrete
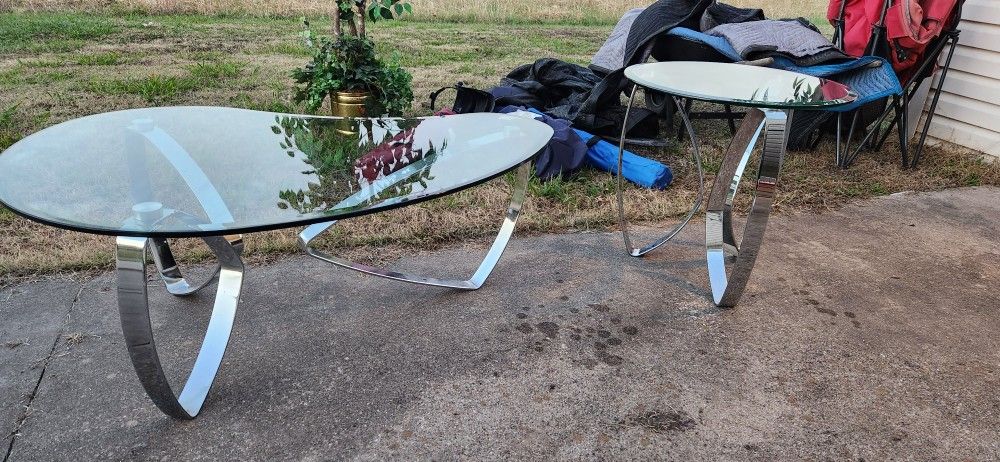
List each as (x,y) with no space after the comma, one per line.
(826,311)
(854,321)
(812,301)
(599,307)
(608,358)
(564,298)
(549,328)
(604,340)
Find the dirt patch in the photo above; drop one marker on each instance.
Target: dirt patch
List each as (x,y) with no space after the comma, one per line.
(660,421)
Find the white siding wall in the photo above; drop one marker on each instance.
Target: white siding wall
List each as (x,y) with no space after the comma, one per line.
(969,111)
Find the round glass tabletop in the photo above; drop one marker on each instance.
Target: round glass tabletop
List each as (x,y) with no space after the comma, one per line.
(197,171)
(740,85)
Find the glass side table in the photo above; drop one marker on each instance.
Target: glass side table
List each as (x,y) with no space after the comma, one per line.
(214,173)
(772,95)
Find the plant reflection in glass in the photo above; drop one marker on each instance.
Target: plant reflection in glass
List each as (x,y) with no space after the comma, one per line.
(802,92)
(378,164)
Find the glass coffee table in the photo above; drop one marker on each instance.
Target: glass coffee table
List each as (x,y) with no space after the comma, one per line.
(213,173)
(772,95)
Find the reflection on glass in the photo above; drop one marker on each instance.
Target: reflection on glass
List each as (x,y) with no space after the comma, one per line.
(802,91)
(182,170)
(740,84)
(379,164)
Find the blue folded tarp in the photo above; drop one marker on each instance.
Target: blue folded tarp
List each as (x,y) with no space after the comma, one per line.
(637,169)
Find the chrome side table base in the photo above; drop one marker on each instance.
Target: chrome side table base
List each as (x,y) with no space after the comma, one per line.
(133,306)
(171,274)
(722,250)
(478,278)
(695,156)
(720,243)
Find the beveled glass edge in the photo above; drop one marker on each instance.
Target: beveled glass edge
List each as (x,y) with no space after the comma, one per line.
(852,96)
(115,232)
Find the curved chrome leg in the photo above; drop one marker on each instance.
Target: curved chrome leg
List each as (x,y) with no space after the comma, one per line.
(133,307)
(695,156)
(719,237)
(171,274)
(476,281)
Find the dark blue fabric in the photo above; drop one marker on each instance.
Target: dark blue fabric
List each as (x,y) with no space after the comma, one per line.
(568,150)
(644,172)
(564,154)
(871,84)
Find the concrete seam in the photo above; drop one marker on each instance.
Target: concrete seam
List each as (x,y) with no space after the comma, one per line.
(34,392)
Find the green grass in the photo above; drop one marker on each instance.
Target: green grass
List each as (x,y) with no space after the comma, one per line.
(6,216)
(10,77)
(9,133)
(42,63)
(211,72)
(156,89)
(30,32)
(110,58)
(48,77)
(555,189)
(163,89)
(284,48)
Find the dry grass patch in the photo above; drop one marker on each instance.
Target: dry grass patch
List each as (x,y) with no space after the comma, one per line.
(495,11)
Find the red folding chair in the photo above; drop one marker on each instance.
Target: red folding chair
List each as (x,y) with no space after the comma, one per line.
(910,34)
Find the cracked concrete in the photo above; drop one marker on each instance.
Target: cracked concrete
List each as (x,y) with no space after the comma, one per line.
(869,333)
(31,325)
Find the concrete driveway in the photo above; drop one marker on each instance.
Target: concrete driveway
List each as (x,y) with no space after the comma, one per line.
(869,333)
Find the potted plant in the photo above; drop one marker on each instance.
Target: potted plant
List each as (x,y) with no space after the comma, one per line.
(347,70)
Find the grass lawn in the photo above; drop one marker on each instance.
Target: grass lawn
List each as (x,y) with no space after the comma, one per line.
(57,66)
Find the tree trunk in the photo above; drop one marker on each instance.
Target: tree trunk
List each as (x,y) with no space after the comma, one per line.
(361,17)
(354,28)
(337,26)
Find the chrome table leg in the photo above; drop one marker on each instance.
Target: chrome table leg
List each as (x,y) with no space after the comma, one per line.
(171,273)
(133,306)
(695,156)
(720,242)
(476,281)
